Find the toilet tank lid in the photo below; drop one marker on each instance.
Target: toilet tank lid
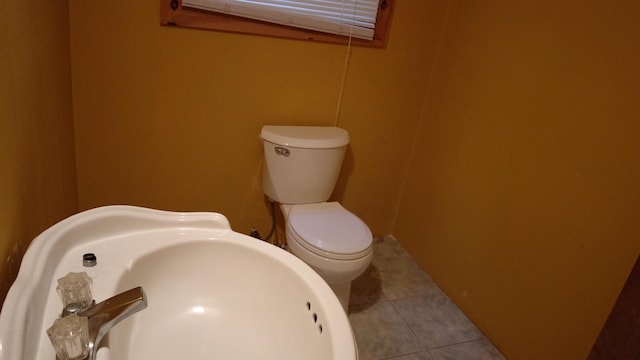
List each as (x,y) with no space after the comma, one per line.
(308,137)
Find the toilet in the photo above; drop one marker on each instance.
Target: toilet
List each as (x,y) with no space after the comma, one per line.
(302,165)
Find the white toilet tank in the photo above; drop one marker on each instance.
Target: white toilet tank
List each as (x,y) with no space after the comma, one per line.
(302,163)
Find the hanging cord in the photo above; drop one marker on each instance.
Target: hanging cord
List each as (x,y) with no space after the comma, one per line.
(347,58)
(344,78)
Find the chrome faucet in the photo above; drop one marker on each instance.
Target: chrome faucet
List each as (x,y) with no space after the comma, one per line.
(106,314)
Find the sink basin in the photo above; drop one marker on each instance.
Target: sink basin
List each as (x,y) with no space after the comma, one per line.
(212,293)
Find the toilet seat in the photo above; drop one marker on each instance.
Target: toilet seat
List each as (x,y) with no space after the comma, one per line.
(329,230)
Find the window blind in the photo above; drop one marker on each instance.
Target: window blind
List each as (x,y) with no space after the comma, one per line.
(355,18)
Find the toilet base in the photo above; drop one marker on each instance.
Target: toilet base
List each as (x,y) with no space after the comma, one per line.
(343,292)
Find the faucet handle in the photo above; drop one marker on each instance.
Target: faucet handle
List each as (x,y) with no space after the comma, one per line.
(70,337)
(75,288)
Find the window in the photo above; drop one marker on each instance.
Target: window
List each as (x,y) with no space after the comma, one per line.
(174,13)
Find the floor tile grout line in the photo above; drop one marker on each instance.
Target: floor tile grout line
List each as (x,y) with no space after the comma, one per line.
(413,331)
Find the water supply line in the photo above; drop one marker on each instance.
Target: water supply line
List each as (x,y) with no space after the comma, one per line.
(254,233)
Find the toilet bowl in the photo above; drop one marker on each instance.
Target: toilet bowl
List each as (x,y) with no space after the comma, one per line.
(332,241)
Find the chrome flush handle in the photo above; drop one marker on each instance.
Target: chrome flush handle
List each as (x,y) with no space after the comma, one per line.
(282,151)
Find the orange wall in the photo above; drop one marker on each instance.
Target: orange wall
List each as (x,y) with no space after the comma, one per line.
(523,196)
(37,170)
(519,147)
(170,118)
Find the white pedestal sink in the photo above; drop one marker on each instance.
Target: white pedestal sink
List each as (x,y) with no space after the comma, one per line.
(212,293)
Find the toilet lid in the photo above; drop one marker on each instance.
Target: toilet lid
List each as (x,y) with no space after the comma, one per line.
(330,228)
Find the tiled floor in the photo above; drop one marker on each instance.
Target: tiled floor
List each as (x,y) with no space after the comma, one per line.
(397,312)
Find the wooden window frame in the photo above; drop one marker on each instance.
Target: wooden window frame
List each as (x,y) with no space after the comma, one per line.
(173,14)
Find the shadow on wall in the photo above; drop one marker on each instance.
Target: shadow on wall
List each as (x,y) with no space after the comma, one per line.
(348,165)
